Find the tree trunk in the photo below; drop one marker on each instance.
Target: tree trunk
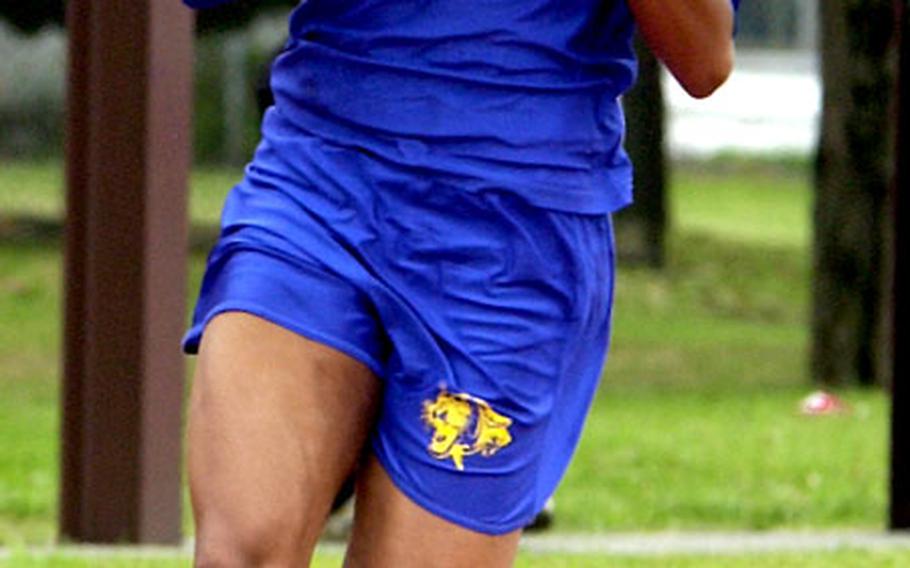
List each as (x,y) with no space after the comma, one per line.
(641,228)
(853,171)
(899,482)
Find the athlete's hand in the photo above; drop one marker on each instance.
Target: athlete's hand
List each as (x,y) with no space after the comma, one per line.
(694,38)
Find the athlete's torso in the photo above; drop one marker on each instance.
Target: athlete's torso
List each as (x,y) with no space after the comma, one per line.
(518,95)
(547,44)
(514,95)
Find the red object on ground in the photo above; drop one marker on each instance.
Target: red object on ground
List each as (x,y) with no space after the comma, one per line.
(820,403)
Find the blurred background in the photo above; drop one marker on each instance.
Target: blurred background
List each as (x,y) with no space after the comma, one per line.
(777,40)
(753,272)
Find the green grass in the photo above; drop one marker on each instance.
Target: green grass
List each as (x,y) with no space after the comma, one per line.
(696,423)
(34,189)
(771,205)
(701,459)
(29,347)
(720,315)
(31,188)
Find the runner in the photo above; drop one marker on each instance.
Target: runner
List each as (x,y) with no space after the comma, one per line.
(414,279)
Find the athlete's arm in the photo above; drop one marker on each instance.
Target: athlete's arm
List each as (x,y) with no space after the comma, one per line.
(694,39)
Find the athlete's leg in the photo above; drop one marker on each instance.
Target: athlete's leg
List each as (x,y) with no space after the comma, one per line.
(276,424)
(391,531)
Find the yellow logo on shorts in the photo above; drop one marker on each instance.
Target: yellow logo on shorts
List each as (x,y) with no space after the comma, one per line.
(464,425)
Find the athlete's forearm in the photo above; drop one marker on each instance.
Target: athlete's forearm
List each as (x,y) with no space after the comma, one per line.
(694,38)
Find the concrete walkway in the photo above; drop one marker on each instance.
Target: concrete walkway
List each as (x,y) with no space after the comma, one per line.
(623,544)
(731,543)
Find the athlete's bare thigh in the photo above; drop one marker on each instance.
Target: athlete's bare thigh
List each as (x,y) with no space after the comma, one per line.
(276,424)
(391,531)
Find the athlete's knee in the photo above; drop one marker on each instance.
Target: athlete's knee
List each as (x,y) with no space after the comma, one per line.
(242,554)
(250,543)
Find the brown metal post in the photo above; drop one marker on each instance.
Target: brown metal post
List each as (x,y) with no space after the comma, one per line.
(127,168)
(899,517)
(74,264)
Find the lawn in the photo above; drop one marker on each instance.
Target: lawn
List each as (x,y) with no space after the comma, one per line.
(696,423)
(34,190)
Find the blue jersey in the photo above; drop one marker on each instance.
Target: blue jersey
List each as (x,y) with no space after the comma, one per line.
(509,95)
(501,94)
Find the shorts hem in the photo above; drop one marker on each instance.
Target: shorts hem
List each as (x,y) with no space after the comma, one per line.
(193,337)
(494,529)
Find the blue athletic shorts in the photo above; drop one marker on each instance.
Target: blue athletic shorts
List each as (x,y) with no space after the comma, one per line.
(486,318)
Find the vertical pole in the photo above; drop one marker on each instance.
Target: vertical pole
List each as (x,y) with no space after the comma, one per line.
(900,418)
(643,228)
(78,22)
(127,169)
